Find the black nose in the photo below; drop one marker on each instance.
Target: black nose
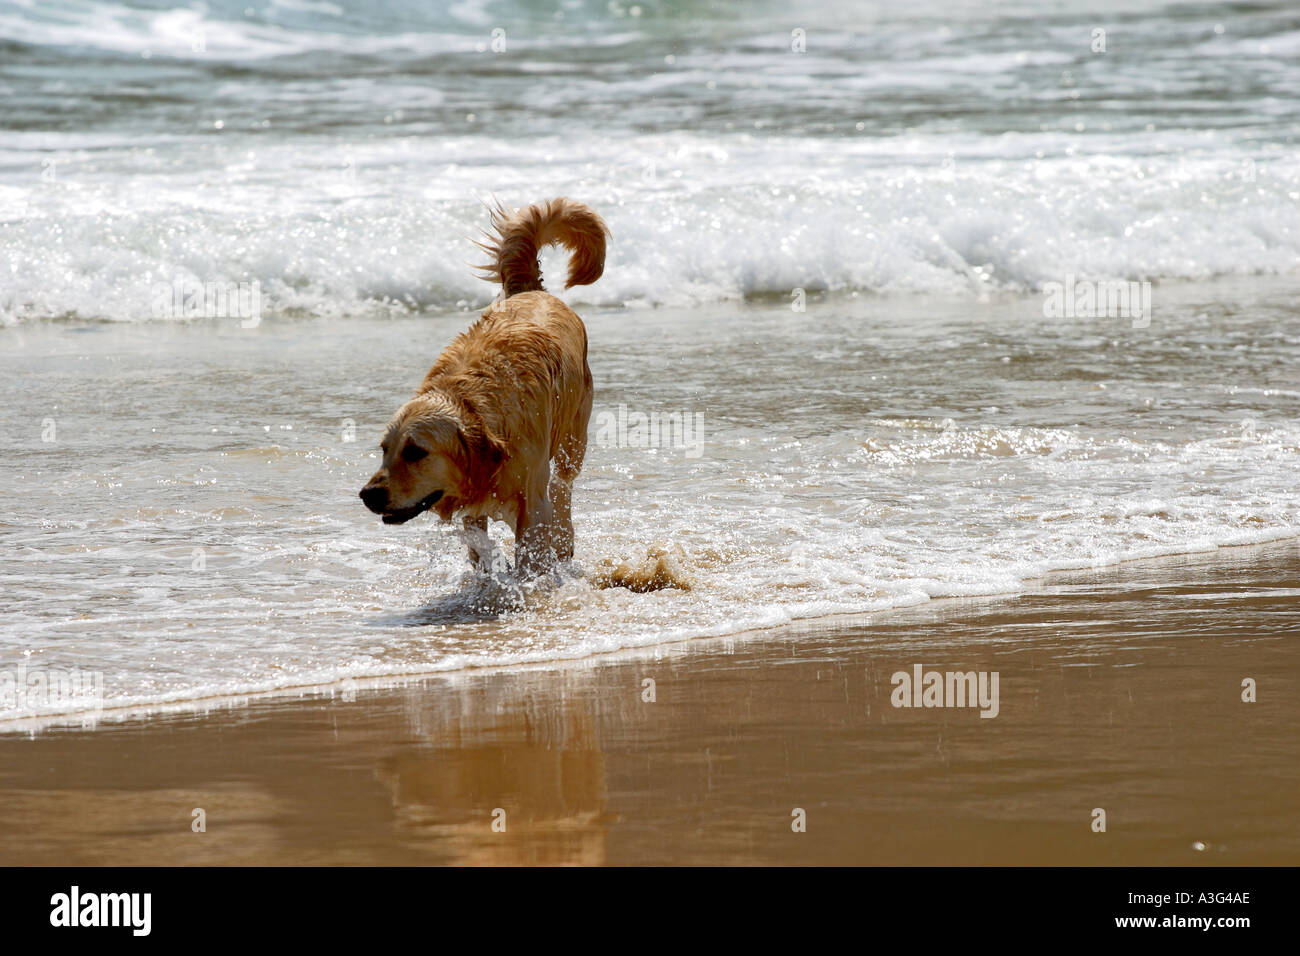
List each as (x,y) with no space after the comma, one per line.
(375,497)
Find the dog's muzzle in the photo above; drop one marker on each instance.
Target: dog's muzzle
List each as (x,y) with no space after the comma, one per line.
(375,497)
(378,503)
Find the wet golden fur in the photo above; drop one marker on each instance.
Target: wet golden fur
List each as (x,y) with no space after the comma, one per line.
(498,428)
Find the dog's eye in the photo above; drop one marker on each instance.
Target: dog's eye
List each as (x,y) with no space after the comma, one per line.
(413,453)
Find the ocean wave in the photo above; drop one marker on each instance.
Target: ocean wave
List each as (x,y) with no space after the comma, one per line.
(388,228)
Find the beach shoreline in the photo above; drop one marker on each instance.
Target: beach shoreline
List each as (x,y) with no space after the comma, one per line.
(1120,689)
(96,713)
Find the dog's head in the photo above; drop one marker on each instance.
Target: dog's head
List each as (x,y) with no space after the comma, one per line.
(437,455)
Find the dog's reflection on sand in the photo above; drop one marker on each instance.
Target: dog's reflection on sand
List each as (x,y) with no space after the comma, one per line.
(526,789)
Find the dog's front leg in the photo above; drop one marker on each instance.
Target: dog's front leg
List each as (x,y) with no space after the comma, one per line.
(561,495)
(534,547)
(477,542)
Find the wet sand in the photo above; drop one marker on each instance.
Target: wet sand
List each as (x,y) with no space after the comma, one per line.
(1118,689)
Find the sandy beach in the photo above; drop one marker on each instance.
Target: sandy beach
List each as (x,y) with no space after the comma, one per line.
(1119,689)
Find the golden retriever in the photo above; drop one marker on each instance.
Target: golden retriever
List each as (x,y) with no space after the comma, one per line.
(498,428)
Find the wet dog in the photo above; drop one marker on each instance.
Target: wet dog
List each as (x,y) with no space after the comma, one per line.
(498,428)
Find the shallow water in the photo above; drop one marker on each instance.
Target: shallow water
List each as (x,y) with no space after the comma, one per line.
(193,529)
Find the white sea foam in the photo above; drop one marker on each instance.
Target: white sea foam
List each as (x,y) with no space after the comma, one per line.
(708,223)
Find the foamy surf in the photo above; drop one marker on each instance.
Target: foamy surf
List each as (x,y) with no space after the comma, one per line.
(86,709)
(336,154)
(215,547)
(373,231)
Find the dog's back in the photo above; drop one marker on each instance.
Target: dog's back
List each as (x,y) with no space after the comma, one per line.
(523,368)
(530,340)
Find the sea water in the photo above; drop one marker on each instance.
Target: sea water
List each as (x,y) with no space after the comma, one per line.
(830,378)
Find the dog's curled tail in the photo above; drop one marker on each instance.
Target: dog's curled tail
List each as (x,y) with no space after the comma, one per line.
(518,235)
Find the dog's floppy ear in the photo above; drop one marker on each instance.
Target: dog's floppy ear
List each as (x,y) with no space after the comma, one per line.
(483,455)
